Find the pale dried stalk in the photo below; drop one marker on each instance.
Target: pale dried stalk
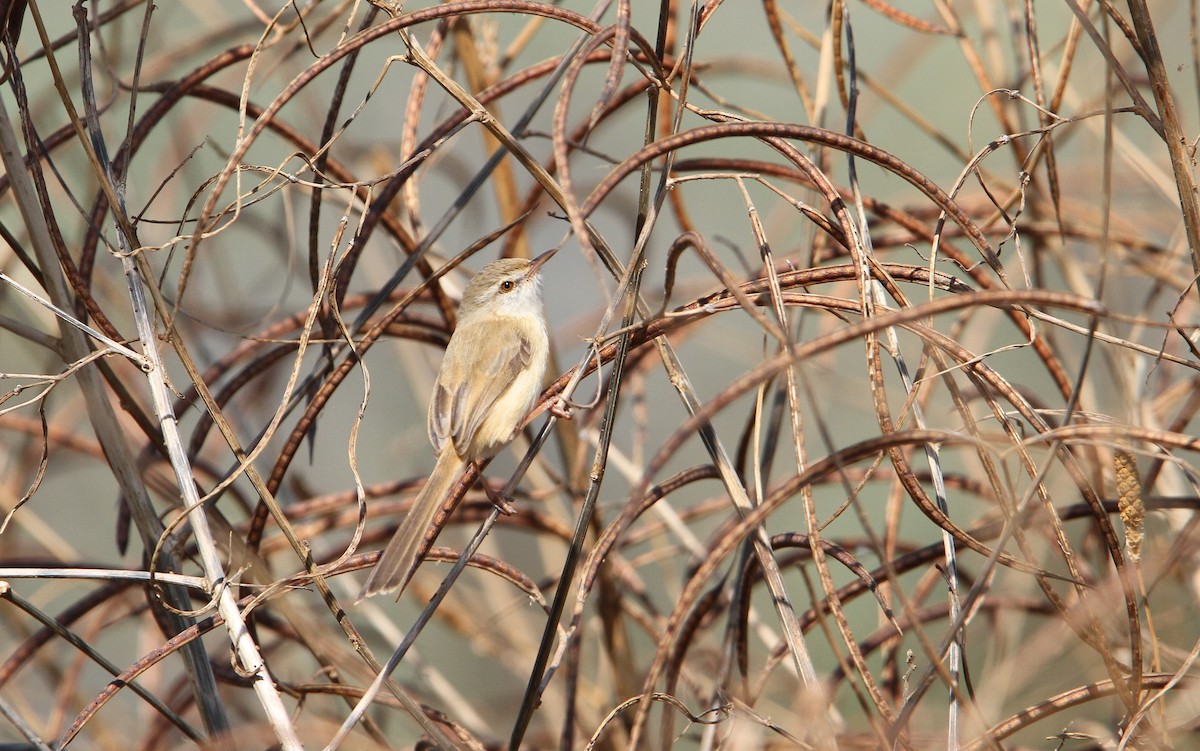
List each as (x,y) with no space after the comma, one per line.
(247,651)
(101,415)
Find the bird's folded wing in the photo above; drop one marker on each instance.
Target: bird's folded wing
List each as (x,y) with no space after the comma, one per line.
(471,381)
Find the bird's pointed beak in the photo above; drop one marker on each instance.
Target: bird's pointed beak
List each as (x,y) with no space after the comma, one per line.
(536,265)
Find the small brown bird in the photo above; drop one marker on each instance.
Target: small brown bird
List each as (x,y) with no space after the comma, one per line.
(490,378)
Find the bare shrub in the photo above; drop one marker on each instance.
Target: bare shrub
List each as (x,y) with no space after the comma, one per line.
(877,332)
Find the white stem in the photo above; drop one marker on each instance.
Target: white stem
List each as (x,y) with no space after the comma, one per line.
(247,651)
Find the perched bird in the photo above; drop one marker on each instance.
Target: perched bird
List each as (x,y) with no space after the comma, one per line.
(490,378)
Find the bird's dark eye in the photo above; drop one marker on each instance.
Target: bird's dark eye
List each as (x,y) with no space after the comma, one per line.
(507,285)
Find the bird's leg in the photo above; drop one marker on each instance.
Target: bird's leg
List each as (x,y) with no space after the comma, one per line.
(498,500)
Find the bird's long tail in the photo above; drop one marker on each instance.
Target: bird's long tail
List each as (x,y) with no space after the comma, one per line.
(400,558)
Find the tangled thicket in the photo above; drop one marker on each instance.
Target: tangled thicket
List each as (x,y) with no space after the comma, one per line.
(878,331)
